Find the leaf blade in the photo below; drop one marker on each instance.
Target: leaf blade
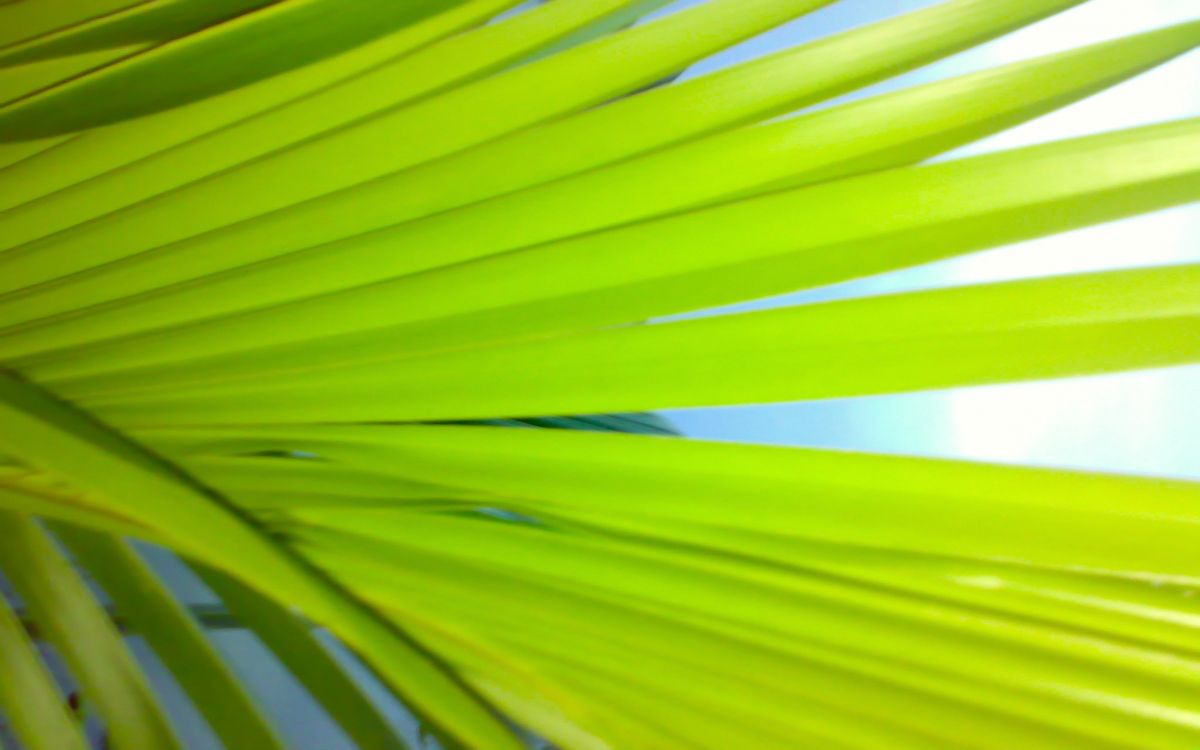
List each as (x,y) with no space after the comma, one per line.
(157,616)
(28,694)
(83,634)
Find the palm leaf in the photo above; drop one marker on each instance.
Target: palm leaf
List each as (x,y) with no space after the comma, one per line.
(153,613)
(83,634)
(29,693)
(305,292)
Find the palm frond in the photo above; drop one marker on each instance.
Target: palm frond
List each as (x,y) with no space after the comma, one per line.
(307,291)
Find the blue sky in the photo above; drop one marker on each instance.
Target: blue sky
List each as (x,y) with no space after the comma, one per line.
(1145,422)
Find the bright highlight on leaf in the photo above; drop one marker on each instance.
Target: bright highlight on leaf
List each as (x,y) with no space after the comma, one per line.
(301,291)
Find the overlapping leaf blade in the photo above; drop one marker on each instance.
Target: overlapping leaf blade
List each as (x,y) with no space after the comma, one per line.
(28,694)
(271,40)
(889,131)
(466,220)
(82,633)
(153,612)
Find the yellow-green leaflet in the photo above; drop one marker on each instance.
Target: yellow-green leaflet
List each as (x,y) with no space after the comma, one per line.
(298,647)
(28,694)
(20,21)
(1024,330)
(55,438)
(504,462)
(375,87)
(155,21)
(82,633)
(99,151)
(29,78)
(171,632)
(748,248)
(270,40)
(867,136)
(662,116)
(332,334)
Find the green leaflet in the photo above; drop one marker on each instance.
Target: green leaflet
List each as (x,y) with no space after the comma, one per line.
(152,612)
(580,644)
(309,218)
(28,695)
(625,128)
(886,492)
(887,131)
(82,633)
(377,90)
(982,334)
(864,701)
(757,247)
(264,484)
(45,505)
(943,525)
(260,44)
(773,607)
(618,21)
(14,153)
(525,694)
(157,21)
(99,151)
(23,80)
(147,609)
(20,21)
(294,642)
(1142,614)
(518,98)
(497,660)
(52,436)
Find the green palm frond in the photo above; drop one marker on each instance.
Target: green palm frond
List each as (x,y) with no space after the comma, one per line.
(305,291)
